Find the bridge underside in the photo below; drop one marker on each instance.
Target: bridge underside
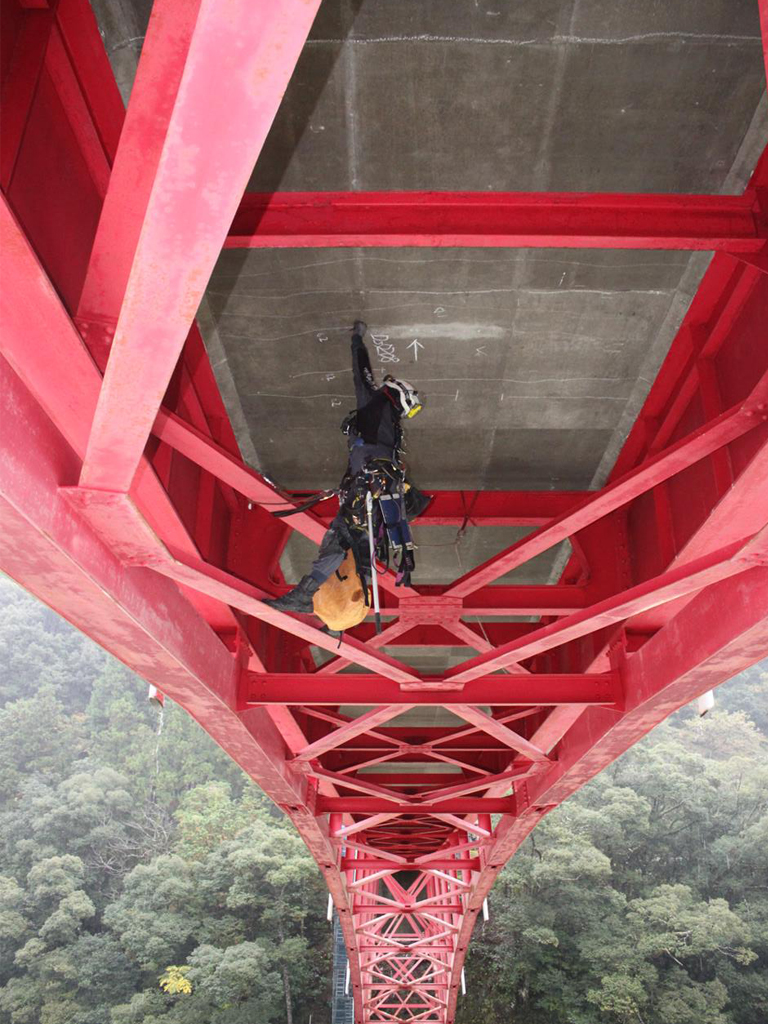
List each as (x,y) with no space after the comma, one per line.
(600,586)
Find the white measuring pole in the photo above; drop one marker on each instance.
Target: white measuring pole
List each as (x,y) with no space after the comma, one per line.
(372,550)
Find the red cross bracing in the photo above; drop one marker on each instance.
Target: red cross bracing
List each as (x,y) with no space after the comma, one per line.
(126,506)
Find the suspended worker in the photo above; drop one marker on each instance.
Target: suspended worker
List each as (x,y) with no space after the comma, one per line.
(375,439)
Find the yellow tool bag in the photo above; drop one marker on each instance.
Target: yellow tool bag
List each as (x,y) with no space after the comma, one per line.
(340,601)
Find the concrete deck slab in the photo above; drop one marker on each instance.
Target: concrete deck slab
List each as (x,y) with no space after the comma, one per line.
(534,361)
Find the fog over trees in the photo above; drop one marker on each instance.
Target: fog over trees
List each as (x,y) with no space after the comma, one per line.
(145,880)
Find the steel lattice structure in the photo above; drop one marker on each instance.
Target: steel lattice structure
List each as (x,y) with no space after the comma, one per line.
(125,505)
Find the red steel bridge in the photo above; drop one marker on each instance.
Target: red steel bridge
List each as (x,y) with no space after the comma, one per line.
(123,495)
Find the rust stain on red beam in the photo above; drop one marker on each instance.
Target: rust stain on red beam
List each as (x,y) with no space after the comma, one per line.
(525,690)
(375,805)
(529,219)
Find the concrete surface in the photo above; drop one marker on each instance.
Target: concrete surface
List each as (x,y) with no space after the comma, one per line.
(534,362)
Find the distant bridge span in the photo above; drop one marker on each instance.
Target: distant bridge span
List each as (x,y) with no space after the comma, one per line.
(126,507)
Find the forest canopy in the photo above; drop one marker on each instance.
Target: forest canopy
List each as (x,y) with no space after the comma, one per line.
(145,880)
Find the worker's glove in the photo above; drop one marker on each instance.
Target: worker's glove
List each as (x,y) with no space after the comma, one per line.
(360,327)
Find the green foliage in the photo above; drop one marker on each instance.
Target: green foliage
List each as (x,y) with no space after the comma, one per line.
(643,898)
(39,738)
(207,816)
(174,981)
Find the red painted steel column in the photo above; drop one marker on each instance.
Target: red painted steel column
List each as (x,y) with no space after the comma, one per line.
(220,117)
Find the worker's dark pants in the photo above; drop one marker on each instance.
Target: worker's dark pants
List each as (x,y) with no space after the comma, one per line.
(333,550)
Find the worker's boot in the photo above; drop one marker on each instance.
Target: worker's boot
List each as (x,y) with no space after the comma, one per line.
(300,599)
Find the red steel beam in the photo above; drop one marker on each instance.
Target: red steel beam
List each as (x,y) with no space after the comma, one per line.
(144,619)
(60,372)
(676,583)
(479,508)
(135,167)
(374,805)
(116,519)
(522,690)
(497,601)
(436,636)
(444,864)
(528,219)
(212,136)
(696,446)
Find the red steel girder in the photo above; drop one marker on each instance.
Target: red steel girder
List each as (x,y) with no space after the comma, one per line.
(526,689)
(700,443)
(529,219)
(374,805)
(211,127)
(676,583)
(698,650)
(480,508)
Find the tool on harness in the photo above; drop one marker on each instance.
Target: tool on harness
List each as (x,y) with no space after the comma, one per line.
(399,535)
(386,484)
(372,551)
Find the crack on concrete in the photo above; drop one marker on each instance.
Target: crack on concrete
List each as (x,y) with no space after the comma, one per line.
(436,259)
(451,305)
(541,165)
(125,44)
(558,40)
(436,394)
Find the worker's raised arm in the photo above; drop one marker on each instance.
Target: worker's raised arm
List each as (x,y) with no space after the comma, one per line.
(365,386)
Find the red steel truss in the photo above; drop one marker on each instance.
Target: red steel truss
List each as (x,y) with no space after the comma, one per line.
(125,504)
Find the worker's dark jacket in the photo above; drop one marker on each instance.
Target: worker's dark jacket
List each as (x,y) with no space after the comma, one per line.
(378,418)
(376,435)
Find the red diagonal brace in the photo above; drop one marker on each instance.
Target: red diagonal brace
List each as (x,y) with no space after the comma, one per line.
(696,446)
(215,131)
(659,590)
